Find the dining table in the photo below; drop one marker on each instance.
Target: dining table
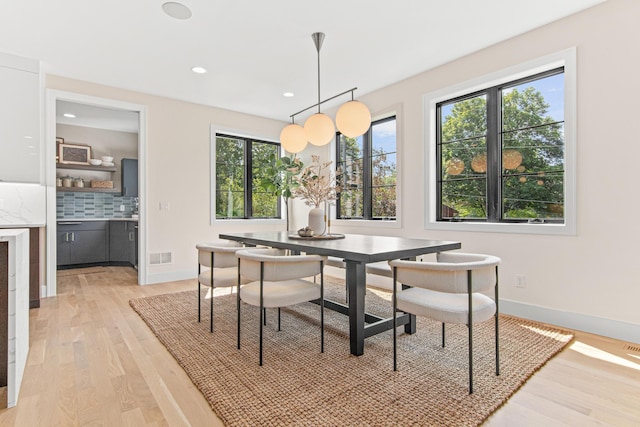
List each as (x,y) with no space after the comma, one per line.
(357,250)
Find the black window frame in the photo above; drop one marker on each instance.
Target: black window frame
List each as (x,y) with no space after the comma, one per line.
(248,177)
(367,173)
(494,132)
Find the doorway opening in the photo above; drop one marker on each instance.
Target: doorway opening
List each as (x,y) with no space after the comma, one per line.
(104,130)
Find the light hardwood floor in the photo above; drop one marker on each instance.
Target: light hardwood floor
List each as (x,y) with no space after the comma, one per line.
(93,361)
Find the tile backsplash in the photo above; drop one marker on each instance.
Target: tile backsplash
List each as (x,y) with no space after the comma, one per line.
(93,205)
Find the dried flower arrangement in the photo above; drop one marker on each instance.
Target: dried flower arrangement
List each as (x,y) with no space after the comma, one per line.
(316,183)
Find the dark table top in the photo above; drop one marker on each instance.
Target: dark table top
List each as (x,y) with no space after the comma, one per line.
(354,247)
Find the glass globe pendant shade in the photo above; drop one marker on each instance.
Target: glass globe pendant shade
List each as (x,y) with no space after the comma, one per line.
(319,129)
(353,119)
(293,139)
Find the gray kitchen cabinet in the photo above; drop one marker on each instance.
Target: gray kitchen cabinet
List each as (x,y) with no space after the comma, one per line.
(123,239)
(133,242)
(63,248)
(129,177)
(82,242)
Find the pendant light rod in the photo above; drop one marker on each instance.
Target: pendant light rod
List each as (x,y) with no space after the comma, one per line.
(326,100)
(318,38)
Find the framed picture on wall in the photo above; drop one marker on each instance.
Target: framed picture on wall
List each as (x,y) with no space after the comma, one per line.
(74,154)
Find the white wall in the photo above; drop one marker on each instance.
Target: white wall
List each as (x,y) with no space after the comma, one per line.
(589,281)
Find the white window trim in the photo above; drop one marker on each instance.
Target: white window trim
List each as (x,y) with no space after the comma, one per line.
(214,130)
(566,59)
(394,110)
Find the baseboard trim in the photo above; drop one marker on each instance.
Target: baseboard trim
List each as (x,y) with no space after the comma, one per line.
(624,331)
(174,276)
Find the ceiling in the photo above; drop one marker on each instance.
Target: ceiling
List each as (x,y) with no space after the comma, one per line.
(256,50)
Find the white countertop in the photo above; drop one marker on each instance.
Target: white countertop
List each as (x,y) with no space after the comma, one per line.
(22,205)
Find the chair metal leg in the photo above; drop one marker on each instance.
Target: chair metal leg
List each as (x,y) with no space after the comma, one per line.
(211,313)
(395,321)
(443,335)
(321,306)
(238,304)
(470,358)
(497,326)
(279,324)
(211,296)
(470,324)
(199,292)
(262,310)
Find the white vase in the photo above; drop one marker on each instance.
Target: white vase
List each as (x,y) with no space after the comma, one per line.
(316,221)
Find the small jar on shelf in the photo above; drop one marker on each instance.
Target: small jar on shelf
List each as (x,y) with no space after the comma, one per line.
(67,181)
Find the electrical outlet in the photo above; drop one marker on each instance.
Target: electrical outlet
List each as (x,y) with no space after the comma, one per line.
(520,281)
(122,208)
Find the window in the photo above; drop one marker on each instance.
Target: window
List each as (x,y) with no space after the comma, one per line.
(240,166)
(500,152)
(366,173)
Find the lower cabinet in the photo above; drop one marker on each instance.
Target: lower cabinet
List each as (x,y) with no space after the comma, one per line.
(123,242)
(97,242)
(82,242)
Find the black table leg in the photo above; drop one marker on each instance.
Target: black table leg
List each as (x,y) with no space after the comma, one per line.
(356,283)
(410,328)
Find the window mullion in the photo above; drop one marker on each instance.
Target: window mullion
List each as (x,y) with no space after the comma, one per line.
(439,164)
(494,189)
(248,180)
(367,191)
(340,162)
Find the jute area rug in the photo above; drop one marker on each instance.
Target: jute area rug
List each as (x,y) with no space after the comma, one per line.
(299,386)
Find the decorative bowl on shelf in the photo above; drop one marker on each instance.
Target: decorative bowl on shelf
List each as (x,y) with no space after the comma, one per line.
(95,162)
(107,159)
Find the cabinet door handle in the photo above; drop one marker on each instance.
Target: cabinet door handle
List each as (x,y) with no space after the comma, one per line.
(131,236)
(66,237)
(124,193)
(73,237)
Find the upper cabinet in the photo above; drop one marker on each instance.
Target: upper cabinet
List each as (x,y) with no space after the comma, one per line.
(20,139)
(130,177)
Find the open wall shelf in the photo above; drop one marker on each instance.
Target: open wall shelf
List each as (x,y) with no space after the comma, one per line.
(88,190)
(86,167)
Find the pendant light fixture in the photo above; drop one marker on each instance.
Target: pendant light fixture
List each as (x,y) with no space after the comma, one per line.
(352,119)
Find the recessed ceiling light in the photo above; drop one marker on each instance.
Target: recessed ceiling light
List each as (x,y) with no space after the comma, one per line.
(71,116)
(176,10)
(199,70)
(288,94)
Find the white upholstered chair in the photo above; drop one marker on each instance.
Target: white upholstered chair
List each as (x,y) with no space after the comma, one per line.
(278,280)
(222,256)
(450,290)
